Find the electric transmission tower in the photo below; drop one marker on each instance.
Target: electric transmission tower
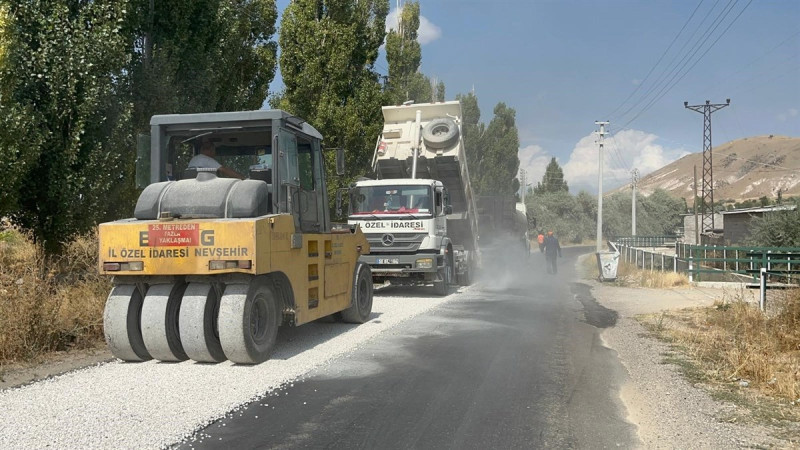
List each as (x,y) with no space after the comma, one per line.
(707,205)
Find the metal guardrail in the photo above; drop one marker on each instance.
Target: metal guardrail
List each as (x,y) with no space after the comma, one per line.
(667,240)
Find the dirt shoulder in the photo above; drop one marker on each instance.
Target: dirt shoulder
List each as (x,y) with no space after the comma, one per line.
(50,365)
(669,411)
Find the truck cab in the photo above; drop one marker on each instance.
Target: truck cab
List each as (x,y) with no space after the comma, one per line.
(405,223)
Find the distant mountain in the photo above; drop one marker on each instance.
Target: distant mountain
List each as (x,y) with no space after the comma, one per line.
(743,169)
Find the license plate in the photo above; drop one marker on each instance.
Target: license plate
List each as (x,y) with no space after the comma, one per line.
(388,261)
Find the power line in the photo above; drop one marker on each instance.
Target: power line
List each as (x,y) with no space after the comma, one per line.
(666,88)
(665,72)
(758,58)
(646,77)
(670,83)
(619,152)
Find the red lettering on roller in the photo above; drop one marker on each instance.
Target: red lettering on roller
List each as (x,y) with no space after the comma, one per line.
(173,235)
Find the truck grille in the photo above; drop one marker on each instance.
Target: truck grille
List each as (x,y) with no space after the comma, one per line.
(397,242)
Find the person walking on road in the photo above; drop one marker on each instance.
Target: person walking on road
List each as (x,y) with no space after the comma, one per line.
(540,238)
(552,250)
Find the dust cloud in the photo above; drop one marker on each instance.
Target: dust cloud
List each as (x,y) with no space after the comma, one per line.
(507,266)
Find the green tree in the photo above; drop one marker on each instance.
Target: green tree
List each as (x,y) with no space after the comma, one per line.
(492,151)
(328,52)
(62,118)
(574,218)
(776,229)
(190,56)
(440,91)
(404,54)
(101,70)
(563,214)
(473,130)
(656,214)
(552,180)
(499,161)
(201,56)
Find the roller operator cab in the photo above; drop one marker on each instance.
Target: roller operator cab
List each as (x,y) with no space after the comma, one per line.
(209,267)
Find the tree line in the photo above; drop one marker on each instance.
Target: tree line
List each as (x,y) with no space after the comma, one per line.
(79,80)
(573,218)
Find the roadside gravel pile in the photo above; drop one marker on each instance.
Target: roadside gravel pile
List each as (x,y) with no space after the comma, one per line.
(153,404)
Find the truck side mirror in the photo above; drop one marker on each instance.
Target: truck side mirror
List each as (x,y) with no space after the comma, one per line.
(448,209)
(142,160)
(340,168)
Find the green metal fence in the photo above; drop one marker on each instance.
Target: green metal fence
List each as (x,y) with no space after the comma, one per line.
(713,262)
(780,262)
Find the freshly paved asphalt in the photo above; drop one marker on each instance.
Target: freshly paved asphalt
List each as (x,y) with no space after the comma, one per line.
(514,363)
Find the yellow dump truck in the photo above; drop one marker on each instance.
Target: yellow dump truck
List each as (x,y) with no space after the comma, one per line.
(209,267)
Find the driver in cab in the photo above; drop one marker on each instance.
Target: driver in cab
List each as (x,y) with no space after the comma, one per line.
(205,158)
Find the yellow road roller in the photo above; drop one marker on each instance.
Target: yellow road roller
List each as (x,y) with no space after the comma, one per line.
(209,267)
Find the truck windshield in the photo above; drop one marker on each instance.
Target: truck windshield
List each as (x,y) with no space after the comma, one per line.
(391,199)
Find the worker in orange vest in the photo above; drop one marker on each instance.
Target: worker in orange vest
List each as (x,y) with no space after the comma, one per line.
(540,238)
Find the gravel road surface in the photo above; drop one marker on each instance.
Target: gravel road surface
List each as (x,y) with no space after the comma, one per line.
(515,362)
(512,362)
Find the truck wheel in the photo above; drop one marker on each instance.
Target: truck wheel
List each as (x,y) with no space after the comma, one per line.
(122,323)
(160,322)
(197,322)
(440,133)
(361,303)
(249,318)
(442,287)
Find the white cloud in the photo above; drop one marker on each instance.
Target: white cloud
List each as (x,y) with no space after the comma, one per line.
(624,151)
(427,32)
(533,160)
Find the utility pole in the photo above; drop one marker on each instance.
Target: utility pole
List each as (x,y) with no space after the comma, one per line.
(522,182)
(634,182)
(694,205)
(602,134)
(708,175)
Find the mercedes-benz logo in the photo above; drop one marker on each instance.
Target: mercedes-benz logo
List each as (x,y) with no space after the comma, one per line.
(387,240)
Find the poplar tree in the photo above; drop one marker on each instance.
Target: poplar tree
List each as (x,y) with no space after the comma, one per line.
(201,56)
(500,148)
(473,131)
(328,52)
(492,151)
(404,55)
(62,118)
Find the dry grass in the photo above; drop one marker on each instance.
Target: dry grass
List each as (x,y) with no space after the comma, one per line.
(630,275)
(50,304)
(734,341)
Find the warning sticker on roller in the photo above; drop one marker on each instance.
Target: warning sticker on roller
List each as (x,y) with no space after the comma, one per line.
(173,235)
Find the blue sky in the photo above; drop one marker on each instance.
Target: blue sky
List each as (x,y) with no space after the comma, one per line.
(563,64)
